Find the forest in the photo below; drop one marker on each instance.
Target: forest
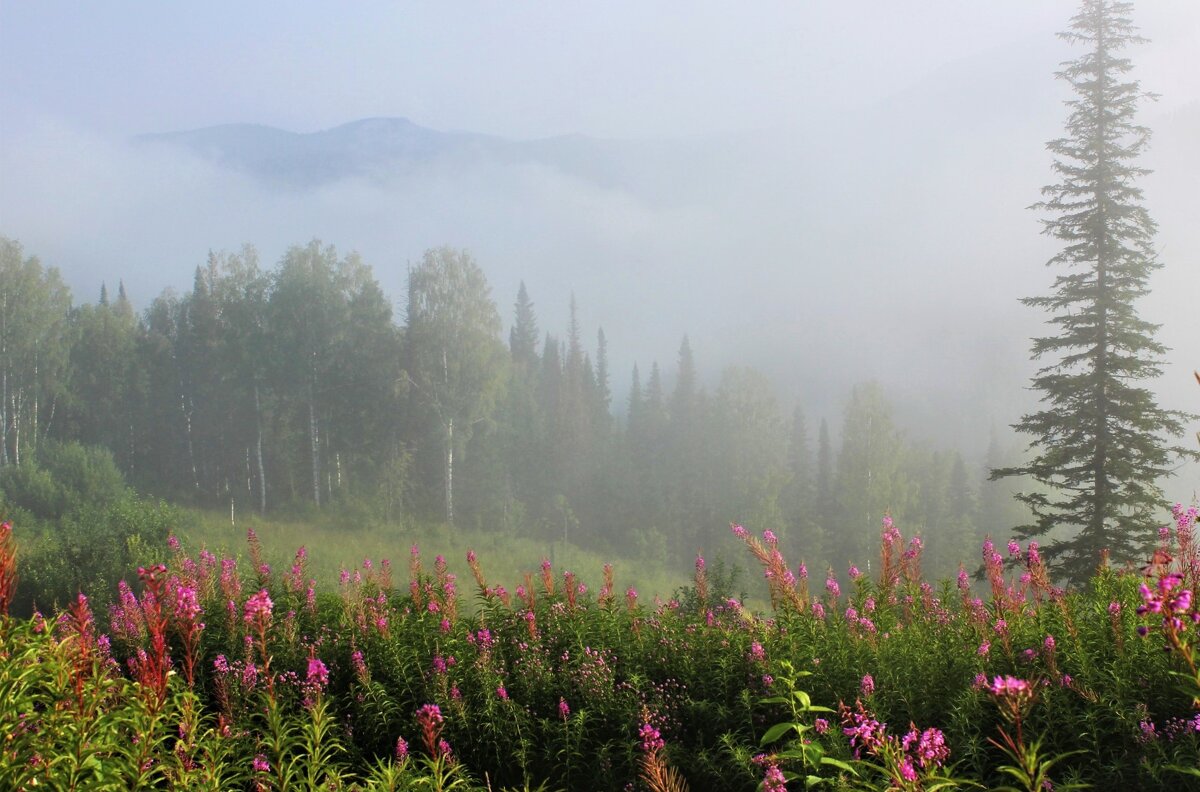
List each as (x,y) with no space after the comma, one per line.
(295,389)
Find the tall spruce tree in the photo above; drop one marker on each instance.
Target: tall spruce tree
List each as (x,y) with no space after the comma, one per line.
(1100,439)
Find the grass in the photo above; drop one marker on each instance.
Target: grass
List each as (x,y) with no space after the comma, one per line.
(332,546)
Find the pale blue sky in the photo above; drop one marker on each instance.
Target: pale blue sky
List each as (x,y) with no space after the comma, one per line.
(619,68)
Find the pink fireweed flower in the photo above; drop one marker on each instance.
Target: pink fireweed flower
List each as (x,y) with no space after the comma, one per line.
(1014,549)
(854,573)
(831,585)
(891,534)
(429,719)
(738,531)
(867,686)
(564,711)
(821,725)
(964,582)
(359,664)
(1010,687)
(651,738)
(430,713)
(318,675)
(699,563)
(258,609)
(502,693)
(865,732)
(260,764)
(770,538)
(929,747)
(774,780)
(401,749)
(757,653)
(187,606)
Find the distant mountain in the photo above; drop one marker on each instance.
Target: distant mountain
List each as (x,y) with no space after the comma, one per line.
(384,149)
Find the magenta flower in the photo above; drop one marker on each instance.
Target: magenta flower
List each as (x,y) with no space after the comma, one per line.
(738,531)
(868,685)
(866,733)
(854,573)
(774,780)
(258,609)
(821,725)
(318,674)
(651,738)
(757,653)
(770,538)
(261,765)
(831,585)
(564,711)
(401,749)
(928,747)
(502,693)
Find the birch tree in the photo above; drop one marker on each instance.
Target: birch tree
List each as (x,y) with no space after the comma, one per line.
(454,358)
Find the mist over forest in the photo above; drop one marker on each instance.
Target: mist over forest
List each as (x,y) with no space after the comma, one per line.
(768,269)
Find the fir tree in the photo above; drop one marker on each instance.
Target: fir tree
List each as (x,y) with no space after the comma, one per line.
(523,337)
(1099,438)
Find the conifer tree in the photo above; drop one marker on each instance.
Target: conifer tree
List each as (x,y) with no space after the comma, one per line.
(1100,438)
(523,337)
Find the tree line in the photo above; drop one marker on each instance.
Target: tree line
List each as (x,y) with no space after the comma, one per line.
(295,387)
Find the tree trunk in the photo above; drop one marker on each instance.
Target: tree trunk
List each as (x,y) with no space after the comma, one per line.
(187,429)
(315,446)
(258,455)
(3,416)
(16,410)
(450,471)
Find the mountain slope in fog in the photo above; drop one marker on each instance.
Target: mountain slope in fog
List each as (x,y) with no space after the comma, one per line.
(389,150)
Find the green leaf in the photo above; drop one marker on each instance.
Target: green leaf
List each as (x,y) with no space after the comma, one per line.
(778,730)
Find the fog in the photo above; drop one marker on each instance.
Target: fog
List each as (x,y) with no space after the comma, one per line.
(831,194)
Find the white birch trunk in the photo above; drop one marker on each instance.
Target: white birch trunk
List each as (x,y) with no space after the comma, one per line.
(314,444)
(450,471)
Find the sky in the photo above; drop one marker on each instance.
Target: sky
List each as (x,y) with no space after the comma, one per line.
(859,210)
(613,69)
